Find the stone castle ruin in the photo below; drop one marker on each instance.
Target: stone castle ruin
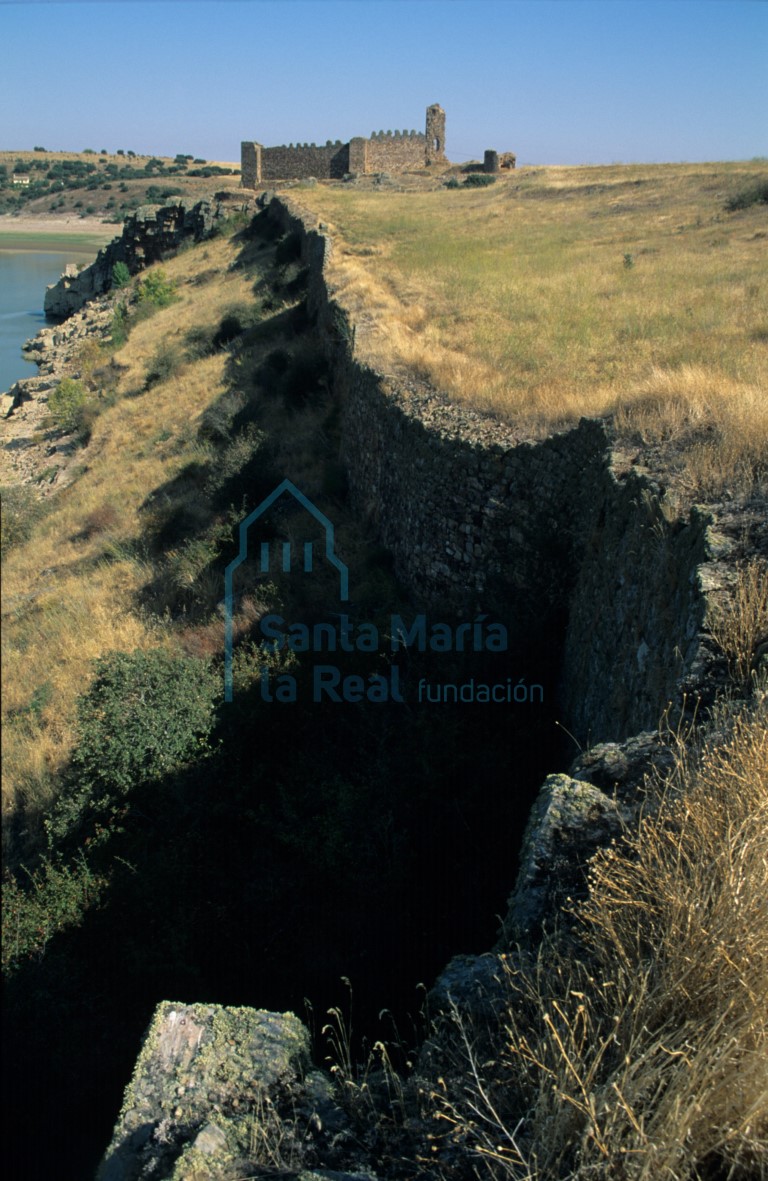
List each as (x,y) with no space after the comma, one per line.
(384,151)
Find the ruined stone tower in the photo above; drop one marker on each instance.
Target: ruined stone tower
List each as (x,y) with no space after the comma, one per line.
(435,134)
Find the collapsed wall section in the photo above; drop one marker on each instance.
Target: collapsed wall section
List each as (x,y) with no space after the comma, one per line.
(546,531)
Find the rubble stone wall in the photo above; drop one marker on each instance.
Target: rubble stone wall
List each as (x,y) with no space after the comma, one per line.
(546,532)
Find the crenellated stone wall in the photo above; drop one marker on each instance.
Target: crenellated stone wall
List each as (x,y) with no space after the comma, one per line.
(549,533)
(384,151)
(394,151)
(329,162)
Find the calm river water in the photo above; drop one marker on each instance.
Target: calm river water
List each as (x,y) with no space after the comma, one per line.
(24,276)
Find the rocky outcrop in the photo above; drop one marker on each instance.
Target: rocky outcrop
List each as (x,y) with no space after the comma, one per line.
(29,450)
(220,1093)
(148,235)
(208,1083)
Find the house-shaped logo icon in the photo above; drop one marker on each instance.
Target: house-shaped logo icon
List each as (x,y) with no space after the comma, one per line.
(290,555)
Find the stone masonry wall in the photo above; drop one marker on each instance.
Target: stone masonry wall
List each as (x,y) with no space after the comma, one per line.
(250,165)
(546,533)
(302,160)
(384,151)
(394,151)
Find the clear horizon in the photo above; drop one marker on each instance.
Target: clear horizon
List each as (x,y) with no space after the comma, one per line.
(556,81)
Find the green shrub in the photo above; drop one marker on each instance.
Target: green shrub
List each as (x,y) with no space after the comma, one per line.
(155,193)
(121,276)
(20,509)
(165,361)
(156,291)
(453,183)
(66,404)
(756,194)
(118,329)
(55,896)
(145,714)
(479,180)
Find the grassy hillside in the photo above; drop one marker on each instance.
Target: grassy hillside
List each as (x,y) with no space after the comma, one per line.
(70,593)
(104,184)
(157,845)
(558,292)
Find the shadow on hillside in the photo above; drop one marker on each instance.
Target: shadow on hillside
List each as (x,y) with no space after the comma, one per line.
(364,841)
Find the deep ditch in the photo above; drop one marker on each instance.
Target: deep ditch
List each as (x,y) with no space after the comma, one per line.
(239,888)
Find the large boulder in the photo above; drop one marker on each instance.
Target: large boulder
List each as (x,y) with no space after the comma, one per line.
(569,821)
(210,1087)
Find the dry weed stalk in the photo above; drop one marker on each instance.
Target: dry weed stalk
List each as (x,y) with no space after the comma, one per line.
(645,1054)
(739,625)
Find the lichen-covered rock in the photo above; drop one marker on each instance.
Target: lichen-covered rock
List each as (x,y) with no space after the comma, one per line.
(622,768)
(204,1074)
(569,821)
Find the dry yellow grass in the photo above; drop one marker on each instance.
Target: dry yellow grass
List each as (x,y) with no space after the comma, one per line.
(69,593)
(563,292)
(647,1057)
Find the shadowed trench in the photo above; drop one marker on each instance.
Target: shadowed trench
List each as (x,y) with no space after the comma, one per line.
(322,841)
(318,840)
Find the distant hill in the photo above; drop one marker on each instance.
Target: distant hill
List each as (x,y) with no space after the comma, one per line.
(109,185)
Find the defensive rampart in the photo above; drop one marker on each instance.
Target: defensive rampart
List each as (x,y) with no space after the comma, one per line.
(546,532)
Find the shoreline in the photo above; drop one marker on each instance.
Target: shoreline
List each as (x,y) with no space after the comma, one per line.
(46,233)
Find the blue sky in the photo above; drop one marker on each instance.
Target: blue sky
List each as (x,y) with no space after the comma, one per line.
(556,81)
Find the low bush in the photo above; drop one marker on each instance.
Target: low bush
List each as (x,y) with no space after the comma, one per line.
(216,420)
(241,468)
(198,342)
(479,180)
(156,290)
(100,520)
(165,361)
(229,329)
(756,194)
(66,404)
(121,276)
(20,509)
(54,896)
(145,714)
(119,326)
